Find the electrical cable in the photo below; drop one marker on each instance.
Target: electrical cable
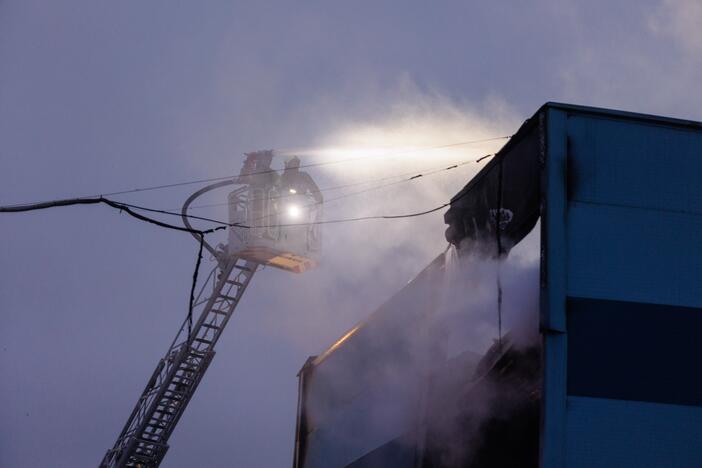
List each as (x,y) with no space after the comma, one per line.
(194,284)
(123,205)
(128,209)
(414,177)
(94,201)
(362,182)
(172,213)
(364,218)
(200,234)
(322,190)
(268,171)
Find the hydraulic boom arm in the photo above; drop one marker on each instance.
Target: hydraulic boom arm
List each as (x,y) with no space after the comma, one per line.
(144,440)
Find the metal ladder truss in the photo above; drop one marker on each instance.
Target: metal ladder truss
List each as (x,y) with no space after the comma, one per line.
(144,440)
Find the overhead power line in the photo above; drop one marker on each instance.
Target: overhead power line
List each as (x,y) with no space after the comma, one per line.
(400,216)
(366,218)
(268,171)
(123,207)
(97,200)
(414,176)
(128,207)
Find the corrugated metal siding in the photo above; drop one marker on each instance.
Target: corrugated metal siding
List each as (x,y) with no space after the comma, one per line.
(628,434)
(623,227)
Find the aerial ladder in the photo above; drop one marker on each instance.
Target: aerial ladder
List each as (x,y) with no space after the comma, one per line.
(272,221)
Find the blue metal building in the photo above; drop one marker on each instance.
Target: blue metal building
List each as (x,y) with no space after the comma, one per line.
(621,289)
(620,208)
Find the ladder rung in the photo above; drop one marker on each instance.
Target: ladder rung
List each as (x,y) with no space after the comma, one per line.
(141,457)
(183,384)
(235,283)
(167,405)
(182,381)
(171,398)
(189,368)
(217,311)
(228,298)
(202,340)
(155,445)
(164,410)
(178,392)
(153,430)
(159,423)
(211,327)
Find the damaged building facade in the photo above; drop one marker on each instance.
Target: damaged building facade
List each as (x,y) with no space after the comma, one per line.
(611,378)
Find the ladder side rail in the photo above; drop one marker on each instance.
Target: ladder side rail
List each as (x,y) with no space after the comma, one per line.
(240,281)
(175,361)
(243,277)
(135,411)
(189,396)
(140,411)
(197,353)
(226,301)
(160,375)
(156,379)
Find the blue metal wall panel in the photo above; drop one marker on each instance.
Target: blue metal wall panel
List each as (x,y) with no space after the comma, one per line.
(553,286)
(622,221)
(624,434)
(632,254)
(637,164)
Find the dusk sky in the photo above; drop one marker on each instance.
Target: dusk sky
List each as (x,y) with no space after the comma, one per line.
(97,97)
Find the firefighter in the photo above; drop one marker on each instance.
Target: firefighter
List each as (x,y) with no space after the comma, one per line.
(257,171)
(296,182)
(262,180)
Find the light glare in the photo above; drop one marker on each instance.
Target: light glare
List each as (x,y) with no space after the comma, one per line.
(294,211)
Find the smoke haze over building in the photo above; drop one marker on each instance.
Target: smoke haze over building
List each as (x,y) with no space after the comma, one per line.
(96,98)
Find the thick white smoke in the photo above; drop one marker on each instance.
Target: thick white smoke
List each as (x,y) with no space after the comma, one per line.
(363,263)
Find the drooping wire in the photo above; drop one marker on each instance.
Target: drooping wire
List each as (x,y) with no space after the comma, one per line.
(125,206)
(128,208)
(268,171)
(321,190)
(122,207)
(342,220)
(194,284)
(365,218)
(172,213)
(223,225)
(414,175)
(94,201)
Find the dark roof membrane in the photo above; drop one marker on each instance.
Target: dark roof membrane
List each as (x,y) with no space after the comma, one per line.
(504,193)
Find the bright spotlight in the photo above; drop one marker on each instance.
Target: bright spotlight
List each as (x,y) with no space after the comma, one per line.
(294,211)
(293,191)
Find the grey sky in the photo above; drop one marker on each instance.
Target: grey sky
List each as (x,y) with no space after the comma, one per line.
(103,96)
